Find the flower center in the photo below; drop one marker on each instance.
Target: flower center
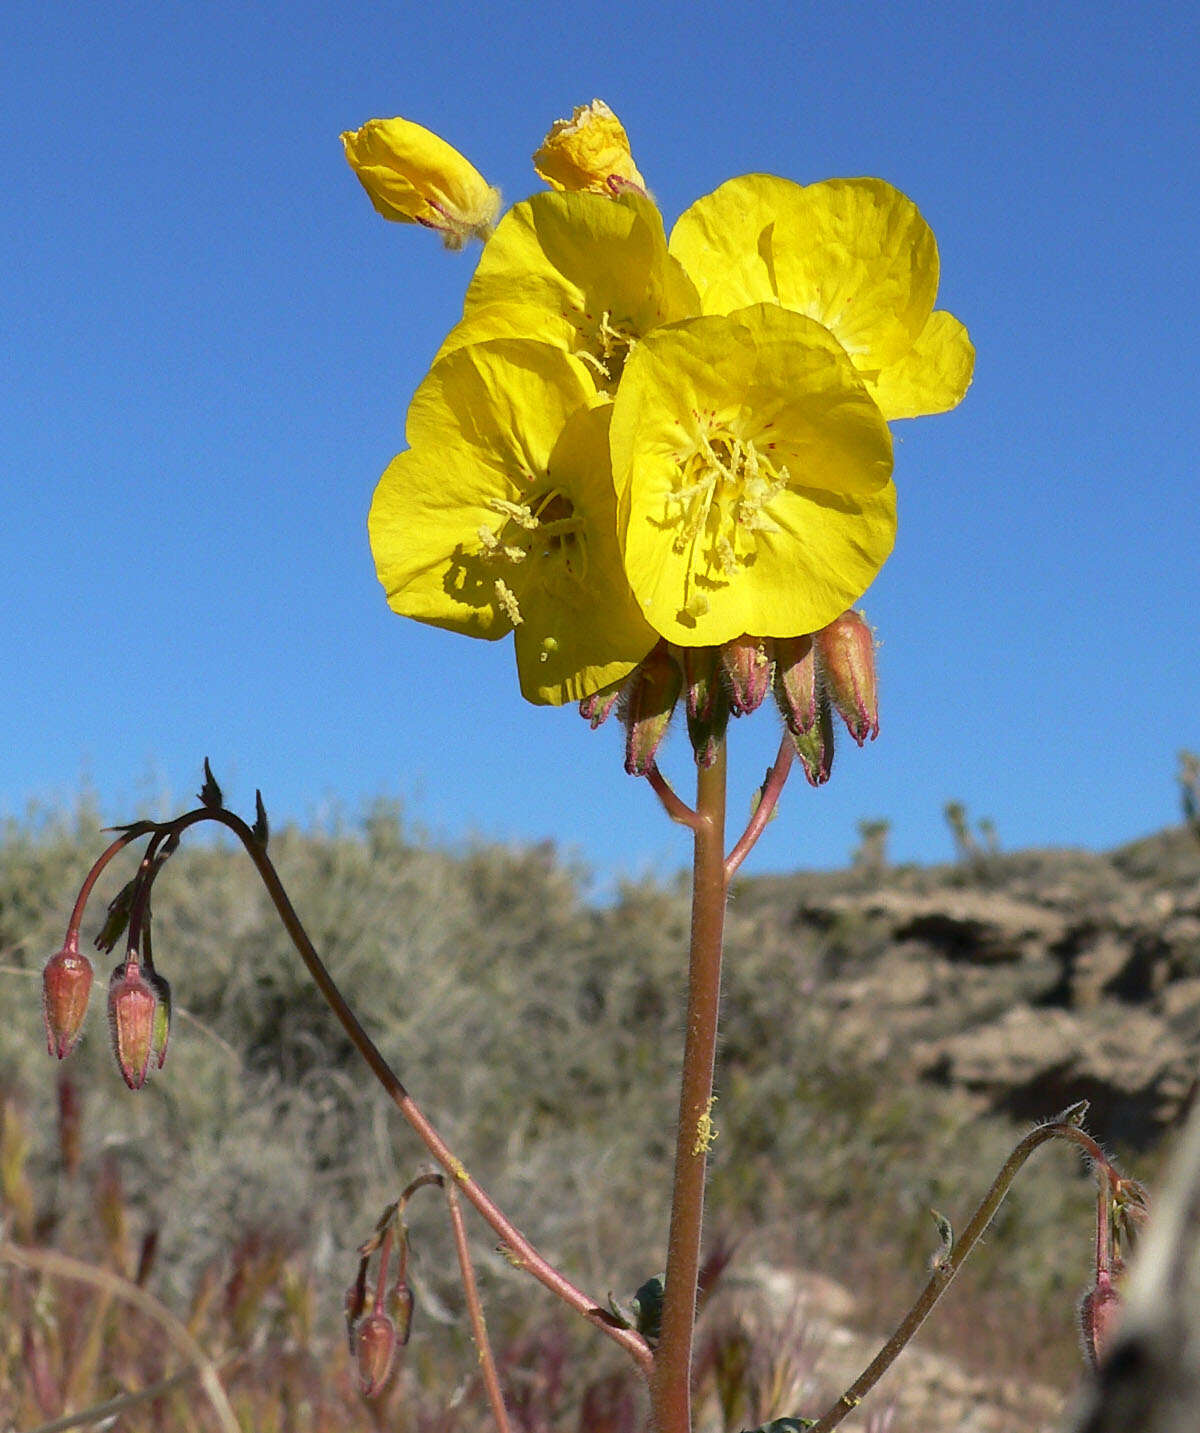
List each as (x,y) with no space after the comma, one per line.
(604,347)
(721,499)
(540,543)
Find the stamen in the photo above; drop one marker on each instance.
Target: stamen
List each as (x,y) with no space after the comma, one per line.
(725,489)
(545,529)
(508,602)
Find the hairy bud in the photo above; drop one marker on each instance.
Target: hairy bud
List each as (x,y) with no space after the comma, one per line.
(747,662)
(706,700)
(650,700)
(796,683)
(66,985)
(132,1008)
(846,649)
(815,746)
(1099,1314)
(374,1352)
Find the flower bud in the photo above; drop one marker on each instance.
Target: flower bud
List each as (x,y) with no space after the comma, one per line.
(66,984)
(588,151)
(1099,1314)
(132,1007)
(374,1352)
(814,747)
(706,700)
(597,708)
(846,649)
(796,683)
(161,1030)
(414,177)
(747,665)
(651,694)
(401,1308)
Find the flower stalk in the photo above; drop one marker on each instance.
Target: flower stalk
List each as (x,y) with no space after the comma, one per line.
(671,1381)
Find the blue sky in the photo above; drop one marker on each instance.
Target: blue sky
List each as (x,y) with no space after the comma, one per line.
(211,340)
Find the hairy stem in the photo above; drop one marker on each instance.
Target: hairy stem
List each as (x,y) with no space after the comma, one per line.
(1064,1127)
(520,1252)
(772,790)
(671,1379)
(483,1347)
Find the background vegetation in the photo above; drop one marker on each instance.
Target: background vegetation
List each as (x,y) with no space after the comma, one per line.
(542,1032)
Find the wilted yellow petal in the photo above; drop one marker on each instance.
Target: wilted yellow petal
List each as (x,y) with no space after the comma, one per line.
(753,477)
(414,177)
(588,151)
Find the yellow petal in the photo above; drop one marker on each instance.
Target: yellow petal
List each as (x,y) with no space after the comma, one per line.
(510,320)
(414,177)
(723,241)
(753,478)
(588,151)
(482,426)
(582,628)
(932,376)
(856,255)
(507,400)
(602,266)
(423,525)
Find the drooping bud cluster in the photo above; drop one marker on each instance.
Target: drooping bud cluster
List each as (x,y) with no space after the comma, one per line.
(811,676)
(377,1333)
(139,998)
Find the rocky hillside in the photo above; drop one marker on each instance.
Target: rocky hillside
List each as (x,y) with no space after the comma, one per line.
(1027,981)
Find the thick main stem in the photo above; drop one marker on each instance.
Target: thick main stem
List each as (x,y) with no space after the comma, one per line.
(671,1380)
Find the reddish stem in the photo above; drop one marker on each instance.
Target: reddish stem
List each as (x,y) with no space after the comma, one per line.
(772,790)
(518,1248)
(675,807)
(671,1381)
(483,1347)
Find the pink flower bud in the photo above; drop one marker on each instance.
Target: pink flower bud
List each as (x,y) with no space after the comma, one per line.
(815,746)
(846,649)
(747,664)
(66,984)
(706,699)
(596,708)
(652,693)
(796,683)
(374,1351)
(1099,1314)
(132,1006)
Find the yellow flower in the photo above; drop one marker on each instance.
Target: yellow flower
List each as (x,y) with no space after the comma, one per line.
(854,254)
(501,517)
(587,274)
(588,151)
(753,474)
(414,177)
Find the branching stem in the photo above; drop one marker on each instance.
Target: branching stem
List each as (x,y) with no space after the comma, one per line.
(518,1248)
(483,1347)
(939,1281)
(772,790)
